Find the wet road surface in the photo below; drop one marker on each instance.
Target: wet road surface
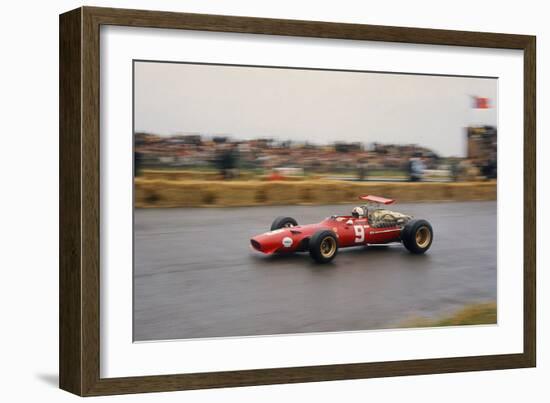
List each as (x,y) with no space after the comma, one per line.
(195,275)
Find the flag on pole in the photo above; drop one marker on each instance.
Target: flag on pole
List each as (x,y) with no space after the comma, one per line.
(481,102)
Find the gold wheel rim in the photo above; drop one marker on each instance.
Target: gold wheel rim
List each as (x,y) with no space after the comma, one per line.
(423,237)
(328,246)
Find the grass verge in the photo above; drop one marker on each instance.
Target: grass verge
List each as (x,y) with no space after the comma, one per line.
(474,314)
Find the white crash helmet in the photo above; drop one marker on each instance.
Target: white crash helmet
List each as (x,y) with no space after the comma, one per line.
(358,212)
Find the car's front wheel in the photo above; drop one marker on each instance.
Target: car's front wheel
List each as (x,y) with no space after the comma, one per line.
(283,222)
(323,246)
(417,236)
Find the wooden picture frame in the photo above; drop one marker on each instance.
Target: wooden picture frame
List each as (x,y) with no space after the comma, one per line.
(79,348)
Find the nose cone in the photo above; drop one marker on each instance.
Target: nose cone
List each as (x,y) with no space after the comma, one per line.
(273,241)
(256,244)
(264,243)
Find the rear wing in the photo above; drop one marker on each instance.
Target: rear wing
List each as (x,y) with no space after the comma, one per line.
(376,199)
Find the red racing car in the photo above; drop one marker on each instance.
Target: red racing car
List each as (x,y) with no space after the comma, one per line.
(369,224)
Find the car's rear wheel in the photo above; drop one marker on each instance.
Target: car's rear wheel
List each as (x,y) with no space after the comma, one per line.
(323,246)
(283,222)
(417,236)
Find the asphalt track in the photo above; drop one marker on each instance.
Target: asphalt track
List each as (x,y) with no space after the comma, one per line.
(195,275)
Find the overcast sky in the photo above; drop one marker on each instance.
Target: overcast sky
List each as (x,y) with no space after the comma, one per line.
(315,106)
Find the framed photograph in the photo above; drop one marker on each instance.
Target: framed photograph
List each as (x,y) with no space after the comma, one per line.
(248,201)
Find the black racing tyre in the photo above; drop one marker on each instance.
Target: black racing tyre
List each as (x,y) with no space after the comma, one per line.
(323,246)
(282,222)
(417,236)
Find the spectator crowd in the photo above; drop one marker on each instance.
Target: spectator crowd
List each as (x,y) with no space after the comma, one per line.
(264,156)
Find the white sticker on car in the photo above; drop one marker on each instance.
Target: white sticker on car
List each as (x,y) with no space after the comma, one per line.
(287,242)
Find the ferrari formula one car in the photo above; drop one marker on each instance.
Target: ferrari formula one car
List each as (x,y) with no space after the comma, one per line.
(369,224)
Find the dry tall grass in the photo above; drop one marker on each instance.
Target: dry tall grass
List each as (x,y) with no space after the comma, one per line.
(203,193)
